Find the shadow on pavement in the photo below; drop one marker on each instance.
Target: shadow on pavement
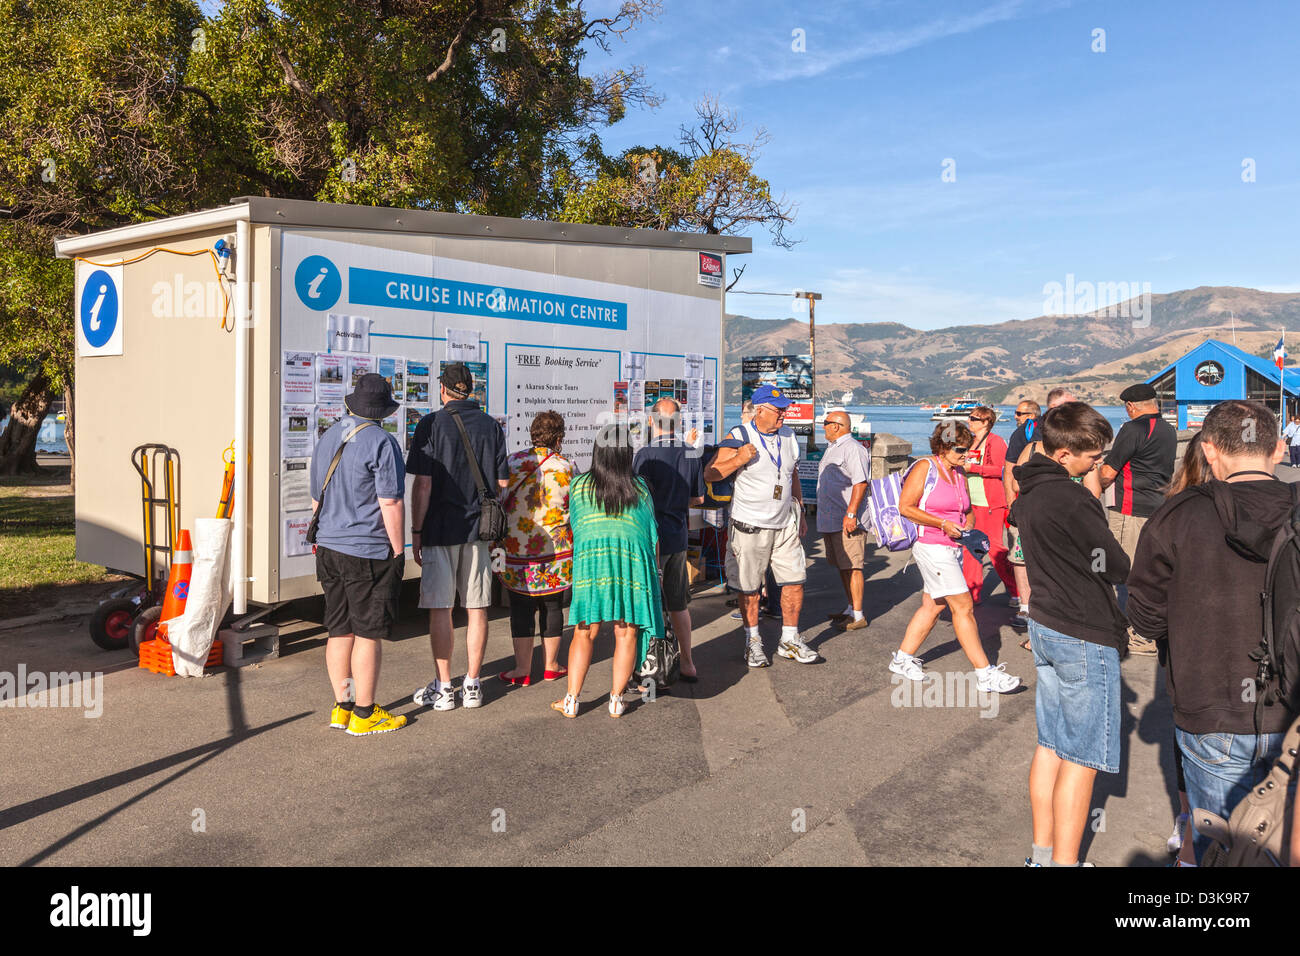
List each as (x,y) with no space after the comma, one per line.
(238,732)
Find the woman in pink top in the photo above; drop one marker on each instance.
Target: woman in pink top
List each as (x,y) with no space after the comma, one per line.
(984,460)
(939,505)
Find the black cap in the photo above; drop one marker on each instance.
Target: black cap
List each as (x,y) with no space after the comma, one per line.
(372,398)
(1142,392)
(458,379)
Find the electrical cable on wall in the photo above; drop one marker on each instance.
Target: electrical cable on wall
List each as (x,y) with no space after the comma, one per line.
(210,253)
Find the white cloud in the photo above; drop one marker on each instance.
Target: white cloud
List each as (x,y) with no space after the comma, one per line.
(818,59)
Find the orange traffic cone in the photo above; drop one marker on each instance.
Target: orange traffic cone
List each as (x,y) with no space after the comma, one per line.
(178,583)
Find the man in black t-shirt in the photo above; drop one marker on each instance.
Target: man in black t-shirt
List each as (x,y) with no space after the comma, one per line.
(1140,464)
(675,473)
(445,509)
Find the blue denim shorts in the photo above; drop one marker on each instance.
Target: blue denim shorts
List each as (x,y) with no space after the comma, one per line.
(1077,699)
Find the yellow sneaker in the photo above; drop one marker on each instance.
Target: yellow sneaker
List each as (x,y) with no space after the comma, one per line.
(339,718)
(379,722)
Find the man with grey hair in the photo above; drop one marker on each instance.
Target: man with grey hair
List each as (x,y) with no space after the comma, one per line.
(843,478)
(675,474)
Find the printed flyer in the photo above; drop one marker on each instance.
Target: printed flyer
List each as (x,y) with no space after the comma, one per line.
(330,372)
(417,383)
(359,365)
(326,416)
(413,415)
(393,369)
(296,438)
(297,378)
(295,484)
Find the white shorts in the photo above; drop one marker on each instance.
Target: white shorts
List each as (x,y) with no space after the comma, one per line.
(750,554)
(459,568)
(940,565)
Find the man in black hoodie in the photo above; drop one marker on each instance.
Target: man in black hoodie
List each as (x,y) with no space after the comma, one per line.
(1193,588)
(1076,630)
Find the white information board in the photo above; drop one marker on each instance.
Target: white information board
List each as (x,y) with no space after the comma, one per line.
(545,341)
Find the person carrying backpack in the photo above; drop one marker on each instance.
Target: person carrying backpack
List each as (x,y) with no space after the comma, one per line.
(1201,566)
(935,498)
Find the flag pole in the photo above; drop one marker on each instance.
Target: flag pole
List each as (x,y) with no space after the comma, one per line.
(1281,386)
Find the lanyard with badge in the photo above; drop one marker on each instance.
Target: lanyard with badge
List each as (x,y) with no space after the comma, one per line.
(775,459)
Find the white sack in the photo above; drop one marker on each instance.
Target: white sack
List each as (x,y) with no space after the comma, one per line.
(192,633)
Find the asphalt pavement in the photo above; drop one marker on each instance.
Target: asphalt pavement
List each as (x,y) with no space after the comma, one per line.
(822,764)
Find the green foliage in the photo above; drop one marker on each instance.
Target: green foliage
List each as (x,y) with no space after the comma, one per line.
(120,112)
(35,307)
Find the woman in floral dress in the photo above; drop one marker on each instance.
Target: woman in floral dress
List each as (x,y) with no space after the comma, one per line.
(538,546)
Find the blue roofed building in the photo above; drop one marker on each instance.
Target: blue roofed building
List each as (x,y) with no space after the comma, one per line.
(1215,371)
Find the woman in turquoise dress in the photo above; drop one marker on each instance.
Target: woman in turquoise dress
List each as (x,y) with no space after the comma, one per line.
(615,566)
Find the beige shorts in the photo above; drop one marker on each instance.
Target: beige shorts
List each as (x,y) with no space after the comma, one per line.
(848,552)
(750,554)
(1126,529)
(448,570)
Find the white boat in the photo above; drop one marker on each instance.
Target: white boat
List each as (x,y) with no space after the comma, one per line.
(858,424)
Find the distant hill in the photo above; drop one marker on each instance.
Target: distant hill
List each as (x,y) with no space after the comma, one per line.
(1098,353)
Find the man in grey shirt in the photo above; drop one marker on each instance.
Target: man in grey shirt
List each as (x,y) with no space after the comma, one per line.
(843,479)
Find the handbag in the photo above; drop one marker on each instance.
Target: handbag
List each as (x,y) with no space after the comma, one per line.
(492,517)
(334,463)
(663,660)
(1258,830)
(663,656)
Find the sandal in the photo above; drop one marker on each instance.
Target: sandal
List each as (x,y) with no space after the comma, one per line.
(616,705)
(568,707)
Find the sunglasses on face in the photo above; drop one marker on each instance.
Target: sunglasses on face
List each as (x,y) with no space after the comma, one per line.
(958,449)
(831,425)
(1023,414)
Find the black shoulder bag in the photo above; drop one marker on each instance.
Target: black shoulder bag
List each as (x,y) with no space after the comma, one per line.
(334,463)
(492,517)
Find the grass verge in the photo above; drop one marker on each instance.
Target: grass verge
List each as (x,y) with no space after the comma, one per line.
(37,545)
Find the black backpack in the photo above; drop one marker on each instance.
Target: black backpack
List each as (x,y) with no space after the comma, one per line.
(1277,676)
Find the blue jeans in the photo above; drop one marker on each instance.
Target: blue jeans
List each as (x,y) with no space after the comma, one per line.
(1221,768)
(1077,702)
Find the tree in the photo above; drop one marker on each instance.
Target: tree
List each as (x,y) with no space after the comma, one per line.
(35,299)
(114,113)
(708,185)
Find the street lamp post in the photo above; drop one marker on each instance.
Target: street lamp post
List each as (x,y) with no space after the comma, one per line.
(812,298)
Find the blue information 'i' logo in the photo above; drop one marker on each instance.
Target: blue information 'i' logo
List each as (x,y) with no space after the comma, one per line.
(99,308)
(318,283)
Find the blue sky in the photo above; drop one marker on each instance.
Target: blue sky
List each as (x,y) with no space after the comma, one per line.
(1115,166)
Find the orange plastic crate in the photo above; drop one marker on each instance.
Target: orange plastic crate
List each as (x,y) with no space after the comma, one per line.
(156,656)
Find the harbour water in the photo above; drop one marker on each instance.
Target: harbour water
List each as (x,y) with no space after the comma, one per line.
(909,422)
(913,424)
(50,440)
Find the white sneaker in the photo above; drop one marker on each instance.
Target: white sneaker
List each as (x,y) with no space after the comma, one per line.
(471,695)
(1175,842)
(429,695)
(754,655)
(909,667)
(795,649)
(997,680)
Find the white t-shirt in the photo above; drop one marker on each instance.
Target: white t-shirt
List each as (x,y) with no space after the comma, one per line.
(752,499)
